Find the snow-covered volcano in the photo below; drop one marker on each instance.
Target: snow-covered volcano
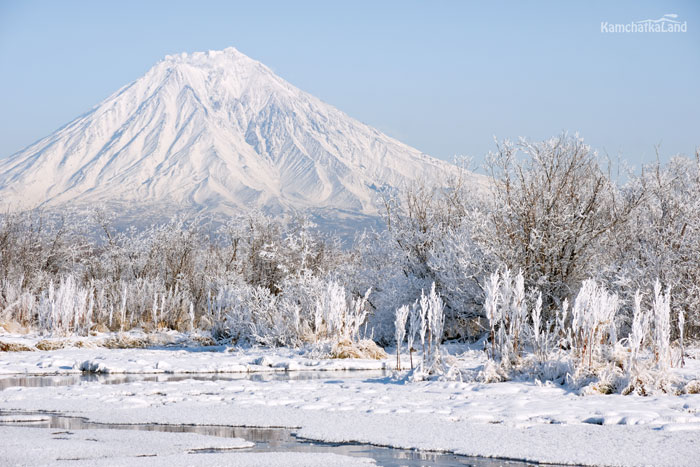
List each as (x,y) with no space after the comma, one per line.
(215,131)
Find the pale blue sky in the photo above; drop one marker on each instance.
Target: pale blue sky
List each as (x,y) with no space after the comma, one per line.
(443,76)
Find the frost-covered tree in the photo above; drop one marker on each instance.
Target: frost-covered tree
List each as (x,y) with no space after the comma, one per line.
(554,212)
(430,240)
(662,239)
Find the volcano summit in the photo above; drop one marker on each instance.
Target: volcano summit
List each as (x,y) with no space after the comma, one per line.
(216,132)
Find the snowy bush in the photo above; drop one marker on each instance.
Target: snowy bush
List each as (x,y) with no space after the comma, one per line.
(506,311)
(555,212)
(430,240)
(662,239)
(16,302)
(308,310)
(593,327)
(66,309)
(426,319)
(400,325)
(581,346)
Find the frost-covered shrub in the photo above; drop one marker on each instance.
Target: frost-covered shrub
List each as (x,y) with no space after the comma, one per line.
(662,326)
(430,240)
(163,276)
(255,315)
(16,303)
(377,265)
(307,311)
(506,310)
(593,327)
(582,347)
(427,320)
(639,334)
(142,303)
(415,326)
(66,309)
(35,250)
(400,325)
(661,240)
(550,210)
(555,212)
(436,324)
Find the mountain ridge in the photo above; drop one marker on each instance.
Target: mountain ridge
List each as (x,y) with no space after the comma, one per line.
(214,131)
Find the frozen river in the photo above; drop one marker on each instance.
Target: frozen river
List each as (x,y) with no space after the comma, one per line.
(162,406)
(262,440)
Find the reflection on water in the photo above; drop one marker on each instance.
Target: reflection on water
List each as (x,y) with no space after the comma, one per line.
(69,380)
(273,440)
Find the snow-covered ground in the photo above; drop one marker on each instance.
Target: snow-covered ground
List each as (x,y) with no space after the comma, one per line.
(43,446)
(521,420)
(165,361)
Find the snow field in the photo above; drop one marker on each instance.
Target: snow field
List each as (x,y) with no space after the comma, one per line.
(523,420)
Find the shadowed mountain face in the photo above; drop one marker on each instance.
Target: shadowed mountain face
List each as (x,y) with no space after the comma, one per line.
(213,132)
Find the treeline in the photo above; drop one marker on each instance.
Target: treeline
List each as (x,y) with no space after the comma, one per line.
(551,211)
